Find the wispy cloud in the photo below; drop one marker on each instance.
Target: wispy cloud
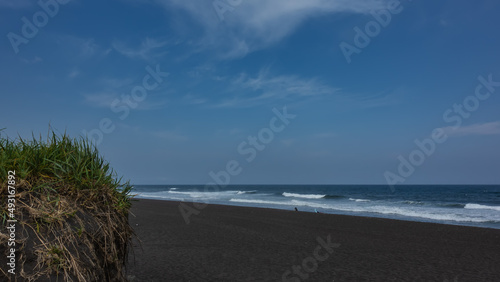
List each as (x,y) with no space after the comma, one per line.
(194,100)
(32,61)
(266,88)
(257,24)
(81,48)
(105,99)
(489,128)
(375,100)
(101,99)
(202,71)
(148,49)
(110,89)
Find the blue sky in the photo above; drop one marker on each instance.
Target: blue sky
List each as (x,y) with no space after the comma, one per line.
(230,63)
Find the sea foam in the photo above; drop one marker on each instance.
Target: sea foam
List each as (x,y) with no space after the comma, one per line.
(482,207)
(359,200)
(305,196)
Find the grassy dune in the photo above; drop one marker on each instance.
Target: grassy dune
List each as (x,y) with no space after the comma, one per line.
(71,211)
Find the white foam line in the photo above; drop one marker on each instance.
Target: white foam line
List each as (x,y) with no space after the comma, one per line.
(305,196)
(481,207)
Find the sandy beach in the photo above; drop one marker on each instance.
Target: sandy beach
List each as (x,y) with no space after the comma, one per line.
(226,243)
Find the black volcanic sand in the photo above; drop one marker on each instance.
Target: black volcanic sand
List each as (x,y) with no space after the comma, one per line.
(226,243)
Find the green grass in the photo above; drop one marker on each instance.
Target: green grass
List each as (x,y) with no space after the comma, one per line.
(63,165)
(71,207)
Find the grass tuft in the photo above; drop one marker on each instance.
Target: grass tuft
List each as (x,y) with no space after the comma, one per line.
(71,206)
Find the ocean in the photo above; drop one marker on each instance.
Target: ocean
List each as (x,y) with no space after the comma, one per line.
(470,205)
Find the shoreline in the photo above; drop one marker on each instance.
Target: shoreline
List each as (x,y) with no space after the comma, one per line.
(410,219)
(234,243)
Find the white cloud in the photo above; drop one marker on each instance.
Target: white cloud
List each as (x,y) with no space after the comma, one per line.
(149,49)
(100,100)
(489,128)
(33,61)
(81,48)
(247,91)
(375,100)
(111,89)
(257,24)
(193,100)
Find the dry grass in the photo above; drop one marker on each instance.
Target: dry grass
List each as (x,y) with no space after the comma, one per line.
(71,209)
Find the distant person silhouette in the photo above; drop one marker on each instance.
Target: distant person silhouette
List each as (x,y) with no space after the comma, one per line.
(296,209)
